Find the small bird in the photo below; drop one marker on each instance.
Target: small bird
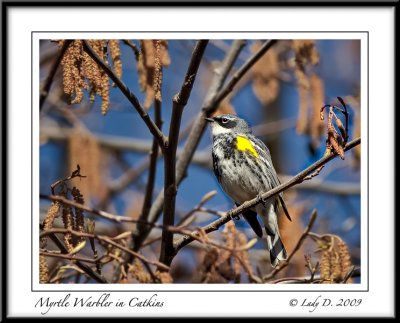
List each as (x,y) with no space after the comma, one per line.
(243,166)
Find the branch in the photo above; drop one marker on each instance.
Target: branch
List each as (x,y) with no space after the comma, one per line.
(106,240)
(155,131)
(152,166)
(276,270)
(354,272)
(196,133)
(170,188)
(214,226)
(89,271)
(103,214)
(69,257)
(49,80)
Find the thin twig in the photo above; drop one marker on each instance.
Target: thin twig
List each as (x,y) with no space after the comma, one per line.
(307,279)
(156,132)
(105,239)
(89,271)
(49,80)
(214,226)
(170,187)
(134,48)
(70,257)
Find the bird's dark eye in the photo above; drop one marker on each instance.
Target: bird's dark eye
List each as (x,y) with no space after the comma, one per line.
(224,120)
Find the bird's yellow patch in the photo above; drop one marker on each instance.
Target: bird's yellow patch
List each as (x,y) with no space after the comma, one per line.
(244,144)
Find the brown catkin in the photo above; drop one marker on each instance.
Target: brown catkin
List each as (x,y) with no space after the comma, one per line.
(335,267)
(265,73)
(115,52)
(52,213)
(43,270)
(73,77)
(225,107)
(68,220)
(345,259)
(305,51)
(335,262)
(302,120)
(84,149)
(79,224)
(153,56)
(325,266)
(317,99)
(164,277)
(138,272)
(81,72)
(157,71)
(310,89)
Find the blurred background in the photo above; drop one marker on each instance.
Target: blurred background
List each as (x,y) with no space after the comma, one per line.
(280,98)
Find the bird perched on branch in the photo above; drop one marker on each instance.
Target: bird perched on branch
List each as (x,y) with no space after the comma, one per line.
(243,166)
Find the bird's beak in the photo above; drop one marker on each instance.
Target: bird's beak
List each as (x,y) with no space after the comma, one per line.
(210,119)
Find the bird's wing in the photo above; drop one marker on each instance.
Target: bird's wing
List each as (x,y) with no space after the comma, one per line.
(264,153)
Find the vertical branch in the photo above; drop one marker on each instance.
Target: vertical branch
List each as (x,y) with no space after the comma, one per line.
(148,198)
(153,164)
(170,189)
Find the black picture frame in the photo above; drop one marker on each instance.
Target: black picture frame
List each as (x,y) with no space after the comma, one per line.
(5,73)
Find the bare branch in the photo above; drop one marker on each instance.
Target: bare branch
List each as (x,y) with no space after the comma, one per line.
(105,239)
(152,166)
(156,132)
(89,271)
(170,186)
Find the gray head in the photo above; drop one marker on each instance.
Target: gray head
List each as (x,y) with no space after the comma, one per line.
(227,123)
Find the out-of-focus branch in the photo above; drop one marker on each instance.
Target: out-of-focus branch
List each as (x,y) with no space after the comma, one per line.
(216,100)
(214,226)
(170,187)
(156,132)
(49,80)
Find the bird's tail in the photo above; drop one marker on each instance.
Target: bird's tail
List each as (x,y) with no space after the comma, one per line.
(275,246)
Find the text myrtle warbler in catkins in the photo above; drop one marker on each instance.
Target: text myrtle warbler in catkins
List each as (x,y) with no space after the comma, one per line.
(243,166)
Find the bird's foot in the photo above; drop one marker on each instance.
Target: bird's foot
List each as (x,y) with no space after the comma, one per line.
(261,200)
(234,217)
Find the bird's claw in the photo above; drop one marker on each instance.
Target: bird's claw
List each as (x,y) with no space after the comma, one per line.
(234,217)
(261,200)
